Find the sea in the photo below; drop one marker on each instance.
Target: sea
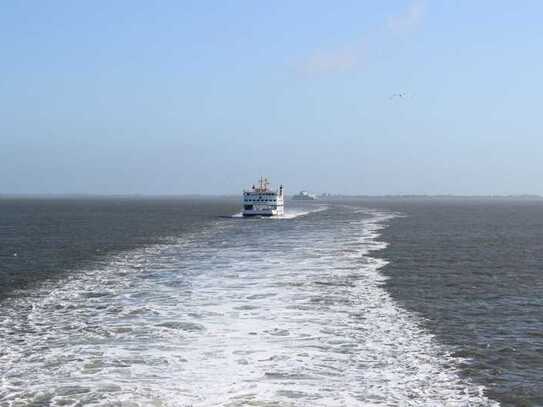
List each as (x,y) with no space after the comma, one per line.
(127,301)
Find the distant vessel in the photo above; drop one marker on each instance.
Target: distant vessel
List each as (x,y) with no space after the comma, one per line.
(262,201)
(304,196)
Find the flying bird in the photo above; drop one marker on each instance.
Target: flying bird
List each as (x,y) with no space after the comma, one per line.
(402,95)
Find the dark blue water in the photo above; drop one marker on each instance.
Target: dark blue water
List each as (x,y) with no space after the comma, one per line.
(352,302)
(46,238)
(474,270)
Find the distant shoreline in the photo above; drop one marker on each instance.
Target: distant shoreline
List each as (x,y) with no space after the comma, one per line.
(209,196)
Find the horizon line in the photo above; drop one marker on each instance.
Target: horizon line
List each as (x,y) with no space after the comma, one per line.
(232,195)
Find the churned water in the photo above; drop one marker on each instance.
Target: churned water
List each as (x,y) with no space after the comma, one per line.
(176,307)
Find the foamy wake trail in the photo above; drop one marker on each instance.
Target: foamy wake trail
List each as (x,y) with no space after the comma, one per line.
(275,314)
(291,213)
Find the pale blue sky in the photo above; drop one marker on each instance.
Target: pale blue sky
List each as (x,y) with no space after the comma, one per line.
(177,97)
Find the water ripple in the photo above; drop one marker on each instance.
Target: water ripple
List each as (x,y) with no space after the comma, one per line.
(243,313)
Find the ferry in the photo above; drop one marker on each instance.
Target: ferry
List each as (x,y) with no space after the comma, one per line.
(304,196)
(260,200)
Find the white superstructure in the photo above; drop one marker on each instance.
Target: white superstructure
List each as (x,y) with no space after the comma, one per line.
(262,201)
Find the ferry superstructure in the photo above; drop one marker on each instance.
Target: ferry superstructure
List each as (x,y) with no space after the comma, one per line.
(262,201)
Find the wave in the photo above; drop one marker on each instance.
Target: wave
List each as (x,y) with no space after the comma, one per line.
(289,213)
(231,316)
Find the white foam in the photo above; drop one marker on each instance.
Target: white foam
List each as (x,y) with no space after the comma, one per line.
(290,213)
(296,316)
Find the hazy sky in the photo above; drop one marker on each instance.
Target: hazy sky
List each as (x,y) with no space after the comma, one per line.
(176,97)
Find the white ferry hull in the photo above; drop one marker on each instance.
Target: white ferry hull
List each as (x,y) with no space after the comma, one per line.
(262,212)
